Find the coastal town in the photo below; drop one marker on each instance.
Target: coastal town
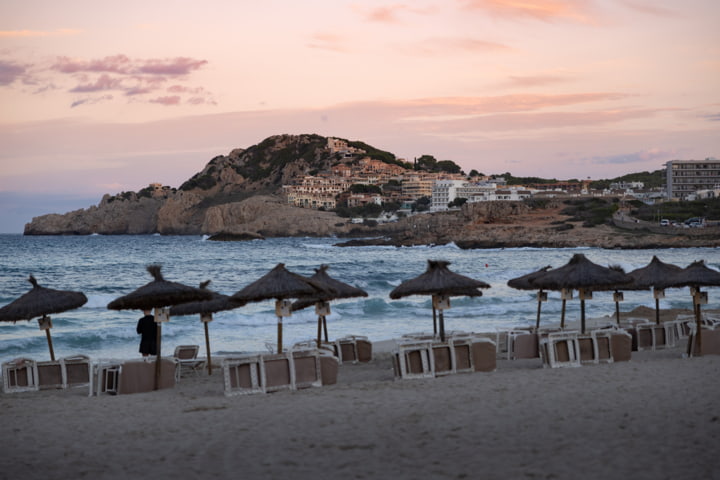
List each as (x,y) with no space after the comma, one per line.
(369,181)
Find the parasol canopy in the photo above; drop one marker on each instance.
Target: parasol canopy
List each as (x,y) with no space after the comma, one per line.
(657,275)
(439,281)
(583,275)
(40,302)
(158,293)
(335,289)
(217,303)
(280,284)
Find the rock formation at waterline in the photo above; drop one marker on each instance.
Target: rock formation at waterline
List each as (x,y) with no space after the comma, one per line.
(239,196)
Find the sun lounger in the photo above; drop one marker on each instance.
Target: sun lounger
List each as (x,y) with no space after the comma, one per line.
(484,355)
(276,372)
(434,358)
(710,342)
(77,370)
(242,375)
(353,348)
(560,349)
(104,378)
(651,336)
(186,360)
(522,344)
(414,360)
(20,375)
(50,375)
(290,370)
(596,347)
(137,376)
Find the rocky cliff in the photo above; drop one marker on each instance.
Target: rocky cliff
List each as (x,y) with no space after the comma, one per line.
(237,196)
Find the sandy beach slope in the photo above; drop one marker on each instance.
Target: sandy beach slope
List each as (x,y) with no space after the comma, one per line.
(654,417)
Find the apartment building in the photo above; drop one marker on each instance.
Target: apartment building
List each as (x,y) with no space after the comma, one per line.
(685,177)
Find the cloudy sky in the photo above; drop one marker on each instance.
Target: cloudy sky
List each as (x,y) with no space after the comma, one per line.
(101,97)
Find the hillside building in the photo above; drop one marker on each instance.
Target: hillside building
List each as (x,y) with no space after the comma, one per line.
(686,177)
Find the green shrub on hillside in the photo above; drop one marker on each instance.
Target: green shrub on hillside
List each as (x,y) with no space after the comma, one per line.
(591,211)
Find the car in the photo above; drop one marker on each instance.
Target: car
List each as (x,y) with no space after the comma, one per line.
(664,222)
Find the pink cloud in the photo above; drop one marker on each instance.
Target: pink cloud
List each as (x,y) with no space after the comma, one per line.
(112,64)
(171,67)
(104,82)
(135,77)
(545,10)
(168,100)
(90,100)
(10,71)
(391,13)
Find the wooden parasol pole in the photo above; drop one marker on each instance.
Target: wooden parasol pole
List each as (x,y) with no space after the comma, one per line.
(157,358)
(50,345)
(279,334)
(537,322)
(207,348)
(319,333)
(324,322)
(45,324)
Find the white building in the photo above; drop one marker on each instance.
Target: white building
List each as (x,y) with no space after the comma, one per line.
(444,192)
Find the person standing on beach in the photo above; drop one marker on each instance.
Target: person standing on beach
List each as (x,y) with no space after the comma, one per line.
(147,330)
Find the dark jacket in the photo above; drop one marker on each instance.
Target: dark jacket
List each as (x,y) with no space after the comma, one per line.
(148,329)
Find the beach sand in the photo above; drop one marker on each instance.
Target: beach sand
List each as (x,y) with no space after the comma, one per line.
(655,417)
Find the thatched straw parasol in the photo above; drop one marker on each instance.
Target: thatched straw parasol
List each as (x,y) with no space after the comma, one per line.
(339,289)
(39,302)
(583,275)
(280,284)
(438,281)
(158,294)
(697,275)
(656,275)
(523,283)
(206,308)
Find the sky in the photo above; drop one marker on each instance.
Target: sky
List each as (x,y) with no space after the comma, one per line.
(105,97)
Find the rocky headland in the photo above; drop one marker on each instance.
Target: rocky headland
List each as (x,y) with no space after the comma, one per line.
(238,197)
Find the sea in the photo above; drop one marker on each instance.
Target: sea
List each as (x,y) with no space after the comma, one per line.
(107,267)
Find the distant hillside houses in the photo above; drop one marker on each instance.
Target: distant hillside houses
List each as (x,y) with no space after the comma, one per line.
(328,190)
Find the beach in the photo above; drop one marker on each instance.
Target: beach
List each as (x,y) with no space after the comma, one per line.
(653,417)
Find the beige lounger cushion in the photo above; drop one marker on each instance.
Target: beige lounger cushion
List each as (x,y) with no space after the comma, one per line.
(484,356)
(138,376)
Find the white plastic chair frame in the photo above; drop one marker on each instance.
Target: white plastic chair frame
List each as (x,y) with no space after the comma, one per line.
(20,375)
(548,349)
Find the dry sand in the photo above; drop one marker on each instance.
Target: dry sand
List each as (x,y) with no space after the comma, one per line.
(654,417)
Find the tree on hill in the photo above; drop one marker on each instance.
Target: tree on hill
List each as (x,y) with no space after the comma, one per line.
(428,163)
(363,188)
(377,154)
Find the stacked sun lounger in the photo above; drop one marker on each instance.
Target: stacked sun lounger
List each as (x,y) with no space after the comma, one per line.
(131,376)
(24,374)
(291,370)
(429,357)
